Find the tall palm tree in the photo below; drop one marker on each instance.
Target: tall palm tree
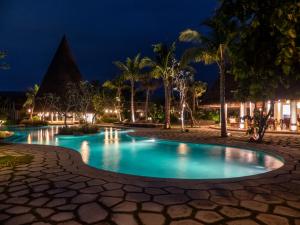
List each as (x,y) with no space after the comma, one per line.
(117,85)
(132,69)
(31,99)
(210,49)
(163,67)
(148,84)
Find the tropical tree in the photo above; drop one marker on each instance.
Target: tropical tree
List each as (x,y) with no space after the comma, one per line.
(265,51)
(212,48)
(132,69)
(31,99)
(85,94)
(149,85)
(116,85)
(163,68)
(197,89)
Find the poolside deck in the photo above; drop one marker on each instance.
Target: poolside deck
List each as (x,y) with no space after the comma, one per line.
(58,188)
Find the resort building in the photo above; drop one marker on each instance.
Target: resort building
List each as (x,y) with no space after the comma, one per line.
(285,117)
(61,71)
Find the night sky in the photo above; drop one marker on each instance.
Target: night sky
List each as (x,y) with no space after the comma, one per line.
(99,32)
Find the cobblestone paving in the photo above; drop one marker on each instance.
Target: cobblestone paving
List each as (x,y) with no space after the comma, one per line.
(57,188)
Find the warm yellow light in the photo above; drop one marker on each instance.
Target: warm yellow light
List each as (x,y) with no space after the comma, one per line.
(29,110)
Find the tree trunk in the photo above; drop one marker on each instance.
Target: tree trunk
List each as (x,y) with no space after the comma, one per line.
(119,104)
(147,103)
(132,102)
(222,94)
(167,106)
(65,119)
(194,102)
(182,117)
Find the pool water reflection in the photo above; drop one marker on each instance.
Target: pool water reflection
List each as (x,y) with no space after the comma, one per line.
(115,150)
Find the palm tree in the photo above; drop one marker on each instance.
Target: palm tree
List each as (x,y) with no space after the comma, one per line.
(198,88)
(210,49)
(3,65)
(148,84)
(31,99)
(163,67)
(132,69)
(117,85)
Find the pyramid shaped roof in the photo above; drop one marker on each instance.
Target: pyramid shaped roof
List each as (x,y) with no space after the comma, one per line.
(61,71)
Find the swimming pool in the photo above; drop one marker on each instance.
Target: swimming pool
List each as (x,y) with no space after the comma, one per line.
(115,150)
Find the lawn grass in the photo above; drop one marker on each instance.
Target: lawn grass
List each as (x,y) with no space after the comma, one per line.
(11,161)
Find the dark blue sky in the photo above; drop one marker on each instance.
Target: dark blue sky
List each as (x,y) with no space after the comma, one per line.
(99,32)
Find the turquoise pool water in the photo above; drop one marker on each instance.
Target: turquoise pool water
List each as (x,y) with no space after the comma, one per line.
(115,150)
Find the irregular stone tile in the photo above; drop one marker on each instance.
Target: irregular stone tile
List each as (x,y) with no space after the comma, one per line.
(174,190)
(254,205)
(21,219)
(4,216)
(122,219)
(267,198)
(91,213)
(152,218)
(92,190)
(20,193)
(131,188)
(243,194)
(4,206)
(62,184)
(125,207)
(294,204)
(68,207)
(18,210)
(113,193)
(272,219)
(286,211)
(112,186)
(233,212)
(56,191)
(72,222)
(17,188)
(198,194)
(77,186)
(287,195)
(151,206)
(171,199)
(44,212)
(66,194)
(110,201)
(186,222)
(208,216)
(202,204)
(137,197)
(220,192)
(39,201)
(179,211)
(258,190)
(84,198)
(225,200)
(155,191)
(62,216)
(242,222)
(56,202)
(41,188)
(95,182)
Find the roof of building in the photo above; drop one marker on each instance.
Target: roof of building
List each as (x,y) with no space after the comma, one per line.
(62,70)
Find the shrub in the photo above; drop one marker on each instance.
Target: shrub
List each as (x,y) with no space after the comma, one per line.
(109,119)
(78,130)
(34,123)
(5,134)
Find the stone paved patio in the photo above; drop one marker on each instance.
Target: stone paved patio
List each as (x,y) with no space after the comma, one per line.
(57,188)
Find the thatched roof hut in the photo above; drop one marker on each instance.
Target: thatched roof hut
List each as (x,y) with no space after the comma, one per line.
(61,71)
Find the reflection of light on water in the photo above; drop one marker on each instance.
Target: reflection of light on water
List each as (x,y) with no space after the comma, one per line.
(29,140)
(238,155)
(85,151)
(47,137)
(111,150)
(183,149)
(272,163)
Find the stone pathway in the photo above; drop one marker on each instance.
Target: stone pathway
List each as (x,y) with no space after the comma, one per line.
(58,188)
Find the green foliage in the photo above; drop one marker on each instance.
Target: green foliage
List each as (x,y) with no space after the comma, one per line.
(34,123)
(5,134)
(156,112)
(213,115)
(78,130)
(31,94)
(109,120)
(12,161)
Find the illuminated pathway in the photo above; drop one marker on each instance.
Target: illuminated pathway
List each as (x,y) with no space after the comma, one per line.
(58,188)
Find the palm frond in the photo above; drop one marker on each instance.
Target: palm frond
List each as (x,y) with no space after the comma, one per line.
(190,36)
